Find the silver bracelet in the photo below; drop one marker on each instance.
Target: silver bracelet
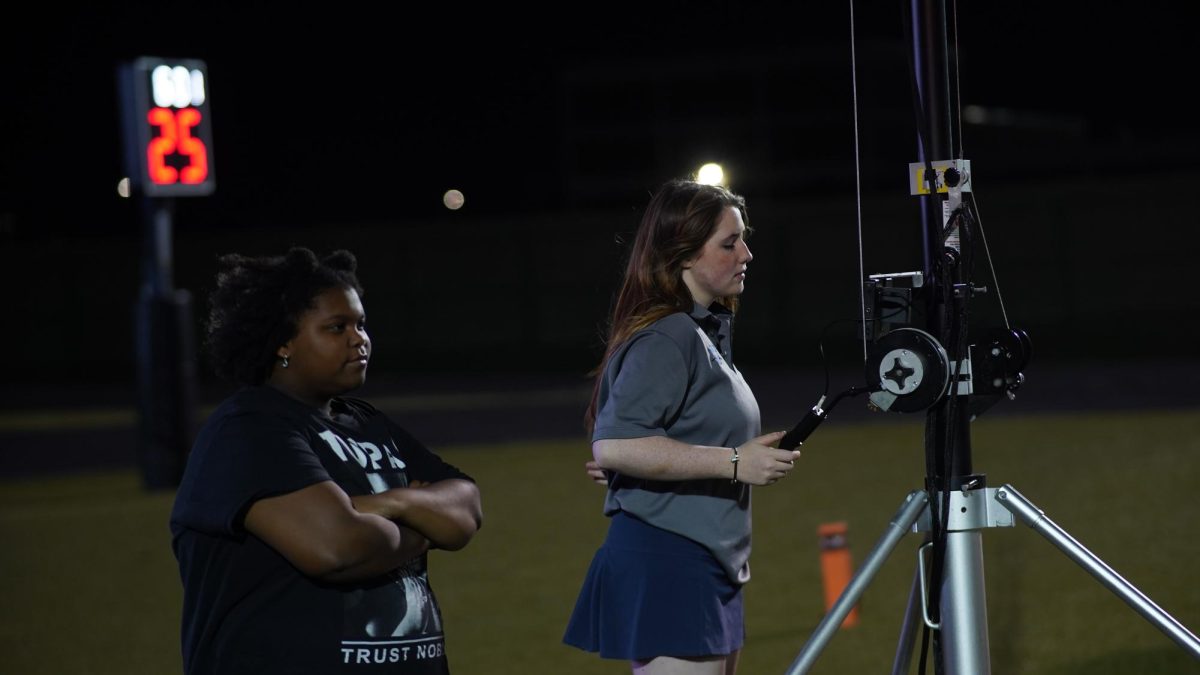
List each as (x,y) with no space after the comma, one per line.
(736,457)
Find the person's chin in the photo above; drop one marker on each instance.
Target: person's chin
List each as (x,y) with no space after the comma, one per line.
(352,381)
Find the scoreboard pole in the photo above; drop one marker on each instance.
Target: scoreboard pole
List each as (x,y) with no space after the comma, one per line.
(166,355)
(168,148)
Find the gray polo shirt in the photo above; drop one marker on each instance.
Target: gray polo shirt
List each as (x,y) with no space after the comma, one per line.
(676,379)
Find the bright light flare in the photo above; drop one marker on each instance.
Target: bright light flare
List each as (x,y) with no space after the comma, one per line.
(711,174)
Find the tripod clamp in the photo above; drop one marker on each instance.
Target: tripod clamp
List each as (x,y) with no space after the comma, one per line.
(972,508)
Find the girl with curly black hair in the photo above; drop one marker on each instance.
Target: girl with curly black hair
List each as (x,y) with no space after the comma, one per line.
(303,519)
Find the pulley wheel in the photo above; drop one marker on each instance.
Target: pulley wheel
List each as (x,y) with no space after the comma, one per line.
(910,365)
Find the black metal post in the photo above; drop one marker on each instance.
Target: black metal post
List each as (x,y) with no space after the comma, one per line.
(959,601)
(945,321)
(165,355)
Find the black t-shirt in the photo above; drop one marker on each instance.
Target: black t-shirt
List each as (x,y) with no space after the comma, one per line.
(246,609)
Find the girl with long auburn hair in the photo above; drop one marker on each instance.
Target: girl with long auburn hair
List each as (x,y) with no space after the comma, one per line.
(676,437)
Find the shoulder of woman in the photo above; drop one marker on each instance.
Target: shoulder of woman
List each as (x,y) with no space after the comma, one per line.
(679,322)
(659,341)
(257,409)
(679,328)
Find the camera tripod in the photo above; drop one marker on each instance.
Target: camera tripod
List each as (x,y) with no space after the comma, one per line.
(951,377)
(963,621)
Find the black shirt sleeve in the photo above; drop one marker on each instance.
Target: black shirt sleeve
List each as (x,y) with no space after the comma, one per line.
(423,464)
(236,462)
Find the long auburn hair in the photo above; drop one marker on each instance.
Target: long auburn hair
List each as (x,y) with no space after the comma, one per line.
(680,218)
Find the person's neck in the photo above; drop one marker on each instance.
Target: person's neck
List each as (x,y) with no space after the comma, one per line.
(321,403)
(698,296)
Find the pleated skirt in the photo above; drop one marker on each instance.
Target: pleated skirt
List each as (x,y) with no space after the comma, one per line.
(649,592)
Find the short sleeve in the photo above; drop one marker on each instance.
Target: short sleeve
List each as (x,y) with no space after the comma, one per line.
(237,461)
(423,464)
(644,387)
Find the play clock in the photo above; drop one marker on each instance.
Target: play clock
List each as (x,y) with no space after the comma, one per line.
(167,124)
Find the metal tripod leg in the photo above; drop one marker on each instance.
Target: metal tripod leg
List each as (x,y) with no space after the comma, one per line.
(901,523)
(908,630)
(1009,498)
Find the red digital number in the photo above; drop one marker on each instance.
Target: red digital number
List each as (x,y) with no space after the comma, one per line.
(191,147)
(175,136)
(159,148)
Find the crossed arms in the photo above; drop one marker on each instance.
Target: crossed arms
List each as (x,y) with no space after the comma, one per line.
(333,537)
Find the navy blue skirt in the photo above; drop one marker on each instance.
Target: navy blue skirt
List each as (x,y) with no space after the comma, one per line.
(652,593)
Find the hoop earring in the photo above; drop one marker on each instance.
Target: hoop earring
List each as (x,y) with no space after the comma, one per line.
(285,362)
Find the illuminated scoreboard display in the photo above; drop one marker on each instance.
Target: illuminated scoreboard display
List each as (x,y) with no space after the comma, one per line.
(168,137)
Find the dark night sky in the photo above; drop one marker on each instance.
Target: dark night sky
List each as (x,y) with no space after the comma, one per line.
(343,126)
(367,114)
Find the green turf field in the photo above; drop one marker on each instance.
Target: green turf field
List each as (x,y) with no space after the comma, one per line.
(88,583)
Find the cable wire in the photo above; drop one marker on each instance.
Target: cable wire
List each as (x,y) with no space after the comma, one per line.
(958,84)
(862,293)
(974,203)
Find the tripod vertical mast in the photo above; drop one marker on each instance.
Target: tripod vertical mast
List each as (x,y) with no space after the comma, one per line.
(961,642)
(934,143)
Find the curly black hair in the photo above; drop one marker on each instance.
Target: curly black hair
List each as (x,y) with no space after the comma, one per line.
(257,305)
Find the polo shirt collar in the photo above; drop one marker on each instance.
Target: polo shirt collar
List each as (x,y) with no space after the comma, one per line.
(714,312)
(716,320)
